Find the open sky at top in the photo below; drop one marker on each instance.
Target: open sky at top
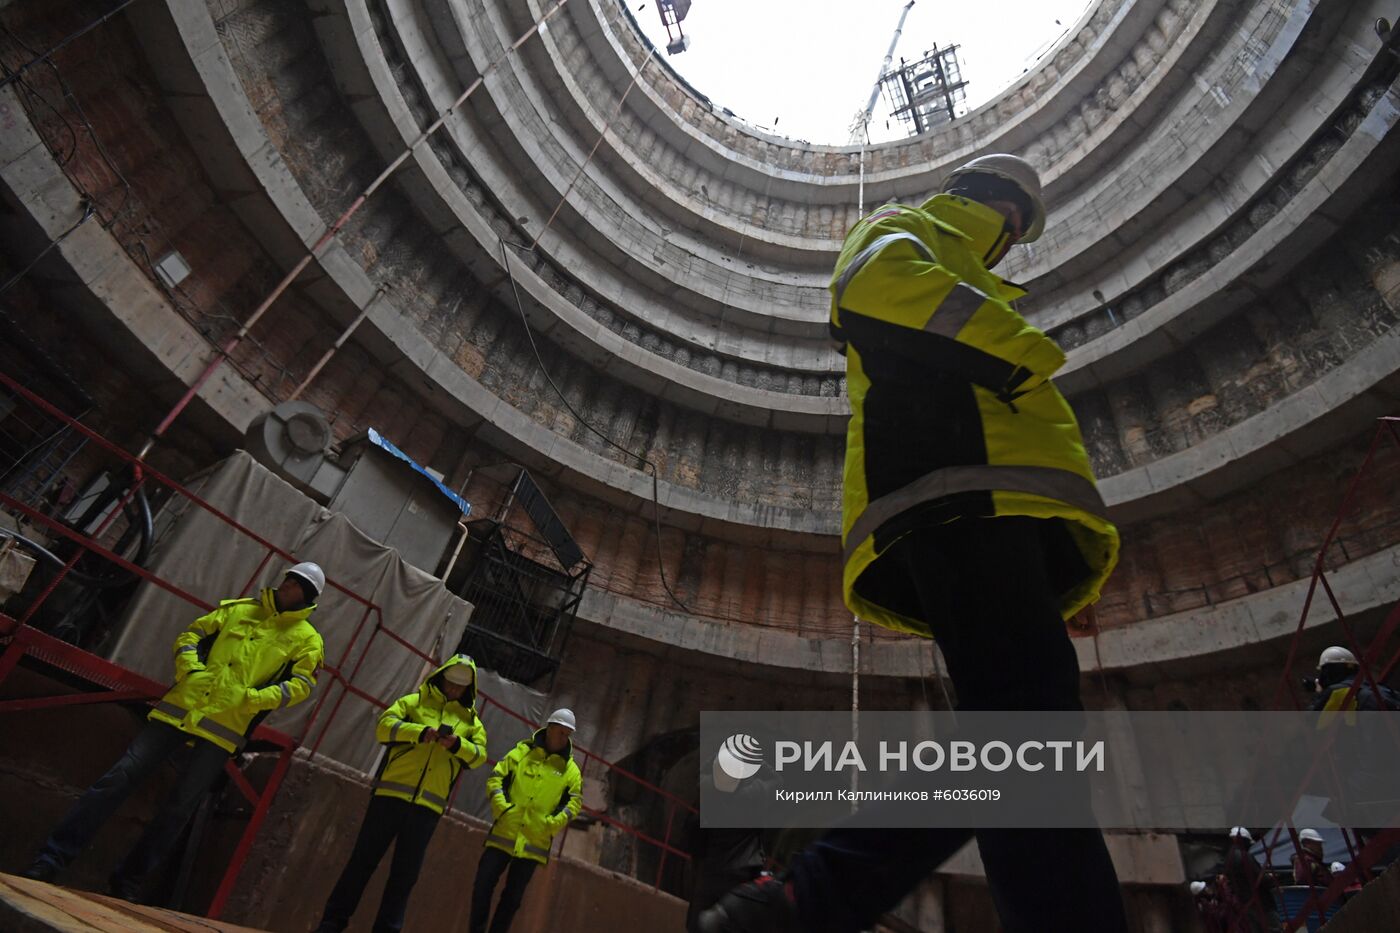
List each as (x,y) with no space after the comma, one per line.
(805,68)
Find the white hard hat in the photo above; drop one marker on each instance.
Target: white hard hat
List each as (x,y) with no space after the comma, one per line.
(459,671)
(1197,887)
(1015,170)
(1337,655)
(1239,832)
(312,574)
(1338,868)
(563,717)
(1309,835)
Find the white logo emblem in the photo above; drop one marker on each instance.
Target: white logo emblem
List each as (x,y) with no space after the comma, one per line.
(740,756)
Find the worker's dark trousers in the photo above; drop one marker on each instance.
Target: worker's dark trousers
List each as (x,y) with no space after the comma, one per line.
(153,744)
(984,588)
(493,864)
(388,820)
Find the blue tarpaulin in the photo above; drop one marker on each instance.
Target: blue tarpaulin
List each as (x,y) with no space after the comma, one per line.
(1307,814)
(383,443)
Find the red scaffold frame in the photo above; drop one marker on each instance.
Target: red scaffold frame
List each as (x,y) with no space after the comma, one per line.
(1364,855)
(19,640)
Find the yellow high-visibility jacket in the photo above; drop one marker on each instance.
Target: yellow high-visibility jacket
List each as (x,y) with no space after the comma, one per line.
(259,659)
(424,772)
(953,414)
(534,795)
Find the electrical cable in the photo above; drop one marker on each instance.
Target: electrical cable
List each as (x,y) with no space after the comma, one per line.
(89,211)
(18,74)
(39,550)
(101,150)
(28,93)
(64,159)
(650,468)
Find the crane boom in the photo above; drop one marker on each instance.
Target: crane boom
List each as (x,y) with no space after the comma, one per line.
(862,120)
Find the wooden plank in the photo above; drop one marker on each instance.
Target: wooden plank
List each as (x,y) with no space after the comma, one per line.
(35,907)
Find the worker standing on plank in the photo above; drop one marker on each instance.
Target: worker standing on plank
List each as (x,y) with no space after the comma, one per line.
(246,658)
(535,790)
(431,736)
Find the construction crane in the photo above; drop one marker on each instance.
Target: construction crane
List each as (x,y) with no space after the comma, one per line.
(860,125)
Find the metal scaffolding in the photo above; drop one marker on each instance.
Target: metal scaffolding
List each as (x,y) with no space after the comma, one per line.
(928,92)
(1379,657)
(86,678)
(525,574)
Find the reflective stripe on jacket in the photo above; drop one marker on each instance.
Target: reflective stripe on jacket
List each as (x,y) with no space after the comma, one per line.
(534,795)
(953,414)
(258,659)
(424,772)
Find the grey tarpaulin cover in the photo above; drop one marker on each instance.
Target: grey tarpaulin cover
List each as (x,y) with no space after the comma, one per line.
(502,732)
(206,557)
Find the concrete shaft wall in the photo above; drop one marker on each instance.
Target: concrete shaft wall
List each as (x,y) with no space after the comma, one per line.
(1254,275)
(1220,173)
(1222,262)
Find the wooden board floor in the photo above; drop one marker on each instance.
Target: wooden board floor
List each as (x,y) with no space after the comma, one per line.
(35,907)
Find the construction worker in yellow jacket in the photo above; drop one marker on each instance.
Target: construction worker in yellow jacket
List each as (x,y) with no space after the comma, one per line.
(247,658)
(535,790)
(971,515)
(432,735)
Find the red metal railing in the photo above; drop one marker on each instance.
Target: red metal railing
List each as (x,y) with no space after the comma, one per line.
(1375,665)
(121,684)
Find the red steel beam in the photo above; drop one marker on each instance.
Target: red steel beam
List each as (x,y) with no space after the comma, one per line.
(241,782)
(84,541)
(250,832)
(73,699)
(148,472)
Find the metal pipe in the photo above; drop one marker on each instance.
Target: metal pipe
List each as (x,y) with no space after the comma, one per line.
(326,357)
(884,65)
(860,129)
(860,195)
(250,833)
(456,552)
(855,690)
(231,343)
(86,543)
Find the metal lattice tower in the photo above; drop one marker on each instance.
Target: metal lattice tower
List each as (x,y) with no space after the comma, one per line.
(926,93)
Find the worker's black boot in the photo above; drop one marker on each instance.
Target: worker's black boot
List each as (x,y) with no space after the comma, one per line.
(764,905)
(40,870)
(128,889)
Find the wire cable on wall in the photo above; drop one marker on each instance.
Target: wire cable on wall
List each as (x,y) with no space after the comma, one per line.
(222,354)
(133,238)
(18,73)
(649,467)
(88,213)
(223,351)
(32,93)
